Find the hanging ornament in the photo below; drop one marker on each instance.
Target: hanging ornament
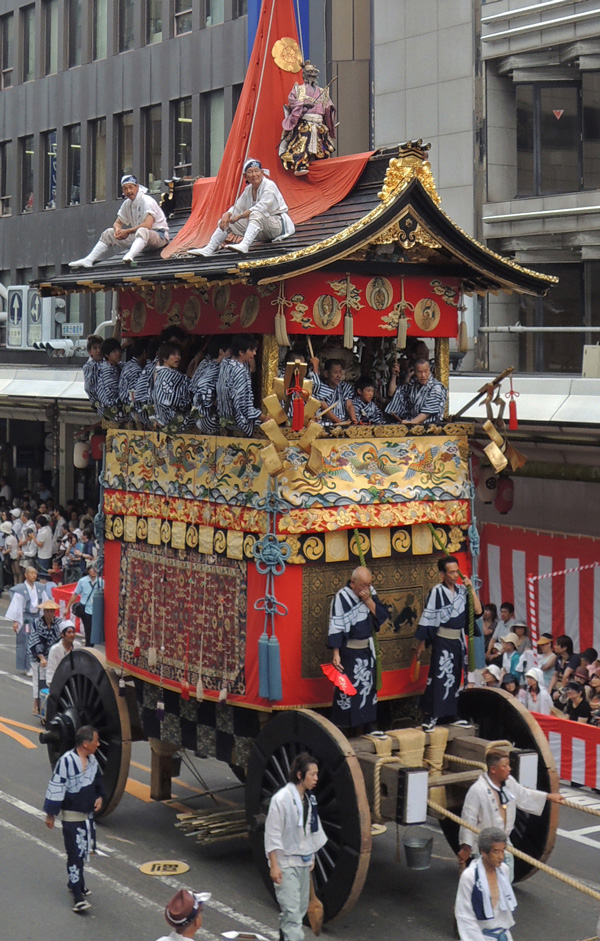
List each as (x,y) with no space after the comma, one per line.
(185,690)
(160,710)
(403,323)
(462,343)
(487,486)
(152,657)
(512,397)
(199,686)
(505,495)
(296,394)
(223,694)
(281,302)
(136,644)
(348,319)
(121,683)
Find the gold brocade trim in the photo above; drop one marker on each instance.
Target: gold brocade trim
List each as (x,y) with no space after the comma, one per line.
(270,364)
(442,364)
(331,546)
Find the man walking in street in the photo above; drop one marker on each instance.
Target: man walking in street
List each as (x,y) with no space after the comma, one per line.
(293,834)
(485,899)
(60,650)
(493,801)
(76,791)
(184,914)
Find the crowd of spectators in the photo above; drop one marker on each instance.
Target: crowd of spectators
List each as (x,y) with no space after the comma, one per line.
(36,531)
(180,382)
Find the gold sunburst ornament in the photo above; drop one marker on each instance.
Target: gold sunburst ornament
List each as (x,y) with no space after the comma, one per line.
(287,55)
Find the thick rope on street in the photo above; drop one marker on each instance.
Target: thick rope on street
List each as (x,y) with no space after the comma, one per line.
(586,810)
(568,880)
(468,762)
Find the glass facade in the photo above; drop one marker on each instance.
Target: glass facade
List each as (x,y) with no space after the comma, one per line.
(126,25)
(73,142)
(152,148)
(49,140)
(182,17)
(28,33)
(27,154)
(5,166)
(74,32)
(182,137)
(6,49)
(124,145)
(99,29)
(50,37)
(98,160)
(154,31)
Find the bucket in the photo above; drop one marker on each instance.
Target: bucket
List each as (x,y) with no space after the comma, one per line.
(417,849)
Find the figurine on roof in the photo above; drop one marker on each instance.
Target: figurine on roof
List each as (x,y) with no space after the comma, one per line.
(260,212)
(308,125)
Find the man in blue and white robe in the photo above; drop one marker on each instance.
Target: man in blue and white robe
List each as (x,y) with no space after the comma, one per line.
(421,401)
(131,371)
(76,791)
(356,612)
(203,387)
(235,400)
(442,626)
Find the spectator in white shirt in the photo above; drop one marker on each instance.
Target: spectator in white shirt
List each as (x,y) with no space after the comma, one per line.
(43,541)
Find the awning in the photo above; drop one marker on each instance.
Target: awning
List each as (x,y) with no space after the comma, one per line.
(556,400)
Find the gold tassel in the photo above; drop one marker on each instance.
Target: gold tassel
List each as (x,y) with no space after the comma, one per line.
(348,331)
(152,658)
(402,332)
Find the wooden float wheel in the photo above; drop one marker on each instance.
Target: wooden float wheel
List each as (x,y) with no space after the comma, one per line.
(85,692)
(499,716)
(341,865)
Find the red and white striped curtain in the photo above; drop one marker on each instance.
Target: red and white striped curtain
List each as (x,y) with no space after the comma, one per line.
(565,604)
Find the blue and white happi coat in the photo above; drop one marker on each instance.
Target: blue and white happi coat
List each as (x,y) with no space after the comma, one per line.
(414,399)
(350,619)
(203,389)
(130,373)
(336,396)
(448,610)
(235,399)
(108,385)
(171,395)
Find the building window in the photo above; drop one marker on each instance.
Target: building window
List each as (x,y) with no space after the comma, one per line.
(558,137)
(240,8)
(152,148)
(182,137)
(28,33)
(153,21)
(215,12)
(49,141)
(100,29)
(183,17)
(5,165)
(74,24)
(50,37)
(124,145)
(27,158)
(6,50)
(574,301)
(125,25)
(98,146)
(73,136)
(214,122)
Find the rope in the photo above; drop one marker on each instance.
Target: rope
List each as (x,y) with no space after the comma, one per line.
(468,762)
(568,880)
(260,82)
(377,782)
(586,810)
(470,605)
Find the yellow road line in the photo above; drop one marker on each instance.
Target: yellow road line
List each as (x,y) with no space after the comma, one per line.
(136,789)
(178,781)
(17,737)
(21,725)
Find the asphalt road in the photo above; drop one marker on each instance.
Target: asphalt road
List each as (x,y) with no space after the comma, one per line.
(396,903)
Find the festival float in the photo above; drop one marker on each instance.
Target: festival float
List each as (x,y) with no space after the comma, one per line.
(222,554)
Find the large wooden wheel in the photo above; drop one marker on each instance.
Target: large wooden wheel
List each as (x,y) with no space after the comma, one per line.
(85,692)
(342,864)
(499,716)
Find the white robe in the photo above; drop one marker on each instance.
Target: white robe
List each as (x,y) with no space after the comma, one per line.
(481,807)
(469,928)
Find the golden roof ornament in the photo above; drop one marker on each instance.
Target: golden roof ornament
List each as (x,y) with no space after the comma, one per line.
(287,54)
(411,163)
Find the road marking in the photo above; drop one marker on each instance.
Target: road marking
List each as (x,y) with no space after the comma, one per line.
(580,836)
(142,900)
(139,790)
(20,725)
(26,680)
(250,923)
(17,737)
(178,781)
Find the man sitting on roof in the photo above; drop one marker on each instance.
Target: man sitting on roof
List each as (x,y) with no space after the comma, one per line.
(308,125)
(420,401)
(140,224)
(260,211)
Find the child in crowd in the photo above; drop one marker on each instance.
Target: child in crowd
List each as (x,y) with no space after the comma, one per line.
(366,411)
(336,392)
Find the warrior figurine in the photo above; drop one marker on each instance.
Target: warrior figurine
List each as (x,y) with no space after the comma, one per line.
(308,125)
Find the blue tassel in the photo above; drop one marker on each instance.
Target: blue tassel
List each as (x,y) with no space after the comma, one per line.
(263,665)
(160,710)
(275,689)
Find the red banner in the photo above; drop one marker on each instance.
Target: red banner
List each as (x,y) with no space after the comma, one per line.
(315,303)
(574,747)
(565,604)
